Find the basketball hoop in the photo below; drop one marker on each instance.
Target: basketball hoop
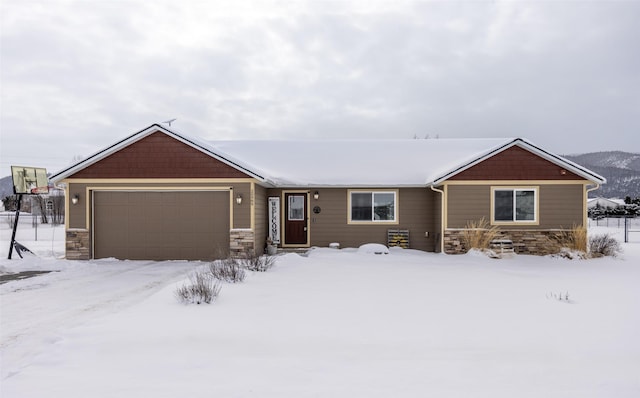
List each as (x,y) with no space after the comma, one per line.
(26,181)
(29,180)
(39,190)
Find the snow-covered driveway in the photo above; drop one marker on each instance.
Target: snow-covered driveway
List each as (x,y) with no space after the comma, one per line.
(74,294)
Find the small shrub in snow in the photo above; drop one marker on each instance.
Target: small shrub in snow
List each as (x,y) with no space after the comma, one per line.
(201,288)
(603,245)
(227,270)
(559,296)
(253,262)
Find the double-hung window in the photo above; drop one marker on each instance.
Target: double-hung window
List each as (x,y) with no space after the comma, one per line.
(372,206)
(515,205)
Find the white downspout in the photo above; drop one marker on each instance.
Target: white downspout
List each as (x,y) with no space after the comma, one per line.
(593,189)
(586,208)
(441,217)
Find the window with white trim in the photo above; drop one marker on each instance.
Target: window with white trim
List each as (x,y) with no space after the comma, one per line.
(373,206)
(514,204)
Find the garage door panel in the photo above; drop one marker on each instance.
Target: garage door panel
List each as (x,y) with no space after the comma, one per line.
(161,225)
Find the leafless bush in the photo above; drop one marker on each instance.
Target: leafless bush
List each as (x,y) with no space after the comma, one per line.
(227,270)
(201,288)
(479,234)
(253,262)
(603,245)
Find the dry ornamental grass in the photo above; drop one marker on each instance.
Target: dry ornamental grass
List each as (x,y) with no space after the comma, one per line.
(479,234)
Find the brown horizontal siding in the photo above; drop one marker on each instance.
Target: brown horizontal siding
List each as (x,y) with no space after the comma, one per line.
(416,213)
(159,156)
(242,212)
(467,203)
(560,206)
(515,163)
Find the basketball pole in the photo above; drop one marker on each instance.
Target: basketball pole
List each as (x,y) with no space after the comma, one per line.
(15,226)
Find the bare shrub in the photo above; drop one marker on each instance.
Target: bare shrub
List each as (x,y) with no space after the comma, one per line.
(201,288)
(253,262)
(227,270)
(604,245)
(479,234)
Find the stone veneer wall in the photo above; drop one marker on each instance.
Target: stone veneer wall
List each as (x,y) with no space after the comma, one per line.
(538,242)
(77,245)
(240,241)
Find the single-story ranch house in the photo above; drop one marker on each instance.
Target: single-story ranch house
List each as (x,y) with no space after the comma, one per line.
(160,194)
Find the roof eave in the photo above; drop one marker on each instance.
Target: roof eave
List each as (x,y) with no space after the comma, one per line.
(558,160)
(96,157)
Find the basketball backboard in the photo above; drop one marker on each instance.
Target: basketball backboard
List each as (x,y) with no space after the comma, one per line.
(29,180)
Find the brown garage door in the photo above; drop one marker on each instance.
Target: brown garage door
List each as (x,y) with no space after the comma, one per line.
(175,225)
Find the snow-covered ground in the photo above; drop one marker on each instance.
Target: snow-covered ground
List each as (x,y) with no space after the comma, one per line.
(337,323)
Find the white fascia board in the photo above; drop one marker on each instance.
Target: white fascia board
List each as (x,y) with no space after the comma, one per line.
(555,159)
(207,150)
(564,163)
(96,157)
(470,163)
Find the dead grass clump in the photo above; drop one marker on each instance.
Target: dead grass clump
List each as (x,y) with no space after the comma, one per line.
(574,239)
(479,234)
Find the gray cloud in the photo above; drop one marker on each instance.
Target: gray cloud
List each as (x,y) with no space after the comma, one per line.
(76,76)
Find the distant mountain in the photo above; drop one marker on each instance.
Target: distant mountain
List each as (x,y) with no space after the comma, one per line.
(6,187)
(621,169)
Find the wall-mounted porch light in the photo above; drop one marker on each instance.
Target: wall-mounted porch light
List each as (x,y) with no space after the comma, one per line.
(75,199)
(316,195)
(239,199)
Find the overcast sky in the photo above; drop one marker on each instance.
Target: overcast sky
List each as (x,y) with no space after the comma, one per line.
(76,76)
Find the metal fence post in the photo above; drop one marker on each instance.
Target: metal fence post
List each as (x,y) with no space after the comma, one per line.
(626,230)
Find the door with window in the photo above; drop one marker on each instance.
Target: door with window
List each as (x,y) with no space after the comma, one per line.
(295,215)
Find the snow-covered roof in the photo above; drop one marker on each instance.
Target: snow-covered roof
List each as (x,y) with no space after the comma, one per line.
(352,163)
(317,163)
(605,202)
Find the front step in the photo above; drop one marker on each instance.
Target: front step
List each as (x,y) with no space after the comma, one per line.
(298,250)
(502,247)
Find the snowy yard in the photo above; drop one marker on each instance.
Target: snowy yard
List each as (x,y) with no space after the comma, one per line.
(337,323)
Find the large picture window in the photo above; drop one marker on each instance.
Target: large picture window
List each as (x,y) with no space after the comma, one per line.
(514,205)
(367,206)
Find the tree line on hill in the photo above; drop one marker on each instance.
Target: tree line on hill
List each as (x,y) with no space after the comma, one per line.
(631,208)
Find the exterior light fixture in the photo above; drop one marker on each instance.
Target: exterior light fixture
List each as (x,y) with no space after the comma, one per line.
(239,199)
(316,195)
(75,199)
(563,172)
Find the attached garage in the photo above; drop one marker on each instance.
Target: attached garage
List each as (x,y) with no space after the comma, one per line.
(158,225)
(158,195)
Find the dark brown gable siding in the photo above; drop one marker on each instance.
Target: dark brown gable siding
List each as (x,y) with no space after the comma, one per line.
(515,163)
(159,156)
